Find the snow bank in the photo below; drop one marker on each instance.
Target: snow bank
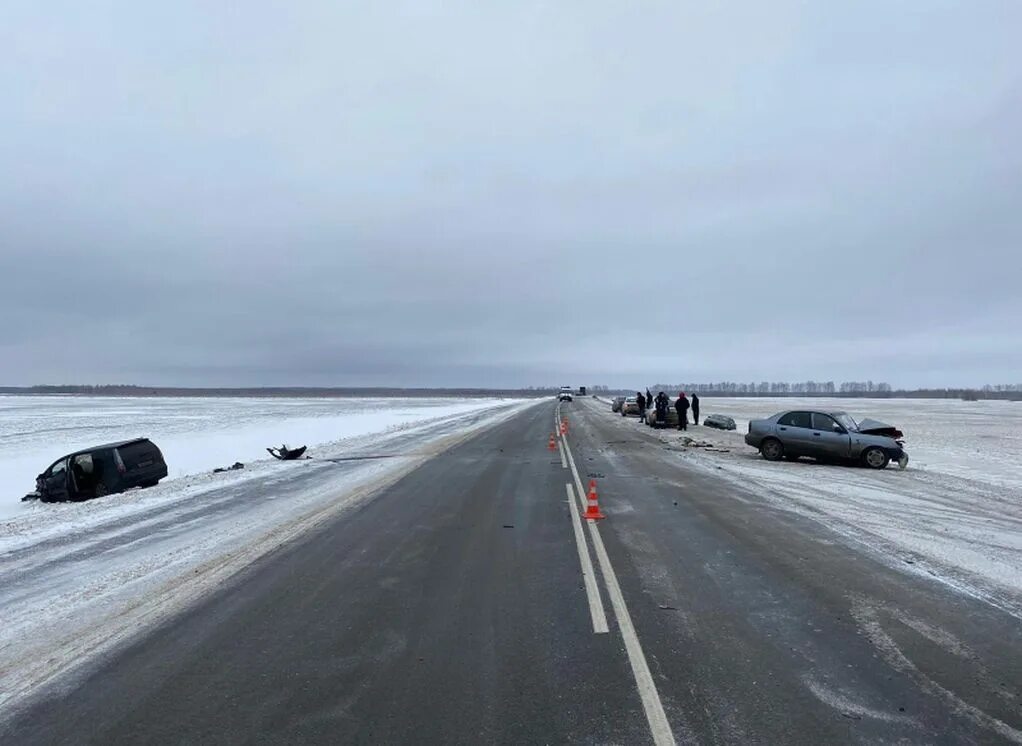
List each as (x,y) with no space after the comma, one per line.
(196,435)
(979,441)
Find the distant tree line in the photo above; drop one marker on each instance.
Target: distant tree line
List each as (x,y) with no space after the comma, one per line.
(721,388)
(784,388)
(275,391)
(849,389)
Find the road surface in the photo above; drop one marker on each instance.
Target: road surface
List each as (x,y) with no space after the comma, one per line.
(467,604)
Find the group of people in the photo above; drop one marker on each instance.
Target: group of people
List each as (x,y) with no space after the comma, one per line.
(662,402)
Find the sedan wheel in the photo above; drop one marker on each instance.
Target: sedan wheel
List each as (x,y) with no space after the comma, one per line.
(772,450)
(875,458)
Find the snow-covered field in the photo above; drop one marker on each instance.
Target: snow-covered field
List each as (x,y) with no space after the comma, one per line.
(79,578)
(195,434)
(954,514)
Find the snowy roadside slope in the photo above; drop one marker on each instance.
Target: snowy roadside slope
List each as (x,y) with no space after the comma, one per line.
(978,441)
(78,579)
(196,434)
(332,436)
(954,515)
(964,532)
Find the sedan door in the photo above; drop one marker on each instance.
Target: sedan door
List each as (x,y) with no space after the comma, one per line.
(794,430)
(830,440)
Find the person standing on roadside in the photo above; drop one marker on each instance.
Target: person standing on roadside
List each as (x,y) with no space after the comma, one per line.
(662,402)
(695,408)
(641,401)
(681,407)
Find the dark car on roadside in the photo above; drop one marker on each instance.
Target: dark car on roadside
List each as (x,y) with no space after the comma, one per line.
(827,436)
(102,470)
(615,405)
(720,422)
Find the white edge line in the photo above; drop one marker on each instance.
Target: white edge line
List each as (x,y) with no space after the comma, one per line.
(659,726)
(588,574)
(564,461)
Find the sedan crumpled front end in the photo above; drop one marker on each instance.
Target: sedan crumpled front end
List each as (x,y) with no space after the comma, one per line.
(875,433)
(875,427)
(894,449)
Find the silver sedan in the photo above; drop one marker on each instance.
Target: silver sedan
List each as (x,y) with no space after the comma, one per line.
(823,436)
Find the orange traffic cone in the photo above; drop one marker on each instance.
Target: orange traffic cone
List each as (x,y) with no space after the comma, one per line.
(552,445)
(593,506)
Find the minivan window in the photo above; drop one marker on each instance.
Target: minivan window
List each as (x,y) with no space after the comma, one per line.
(134,455)
(58,467)
(795,419)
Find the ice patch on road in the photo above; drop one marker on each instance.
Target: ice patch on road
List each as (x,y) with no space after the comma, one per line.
(848,707)
(868,621)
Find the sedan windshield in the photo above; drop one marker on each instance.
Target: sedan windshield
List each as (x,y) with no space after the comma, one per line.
(846,421)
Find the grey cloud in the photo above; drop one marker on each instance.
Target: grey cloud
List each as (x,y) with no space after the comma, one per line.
(511,194)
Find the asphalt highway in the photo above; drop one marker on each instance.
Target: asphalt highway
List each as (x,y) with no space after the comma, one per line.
(468,603)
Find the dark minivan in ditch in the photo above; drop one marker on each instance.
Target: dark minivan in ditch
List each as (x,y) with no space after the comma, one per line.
(102,470)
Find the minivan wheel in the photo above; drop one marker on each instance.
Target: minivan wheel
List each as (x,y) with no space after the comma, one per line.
(875,458)
(772,449)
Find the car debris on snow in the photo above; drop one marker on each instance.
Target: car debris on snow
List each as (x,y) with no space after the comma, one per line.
(687,442)
(287,454)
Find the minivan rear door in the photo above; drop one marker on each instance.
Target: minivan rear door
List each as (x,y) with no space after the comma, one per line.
(140,462)
(137,456)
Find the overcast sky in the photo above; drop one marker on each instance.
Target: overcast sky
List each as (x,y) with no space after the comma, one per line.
(510,193)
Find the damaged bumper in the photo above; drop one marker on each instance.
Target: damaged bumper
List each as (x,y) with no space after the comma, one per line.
(898,456)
